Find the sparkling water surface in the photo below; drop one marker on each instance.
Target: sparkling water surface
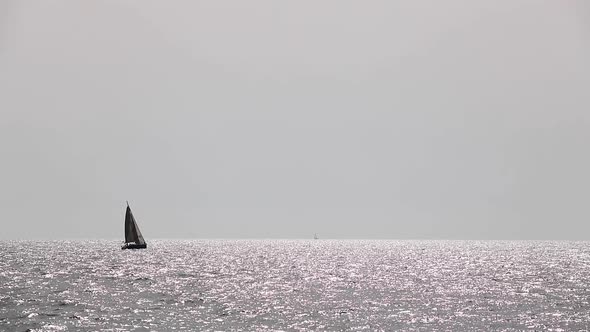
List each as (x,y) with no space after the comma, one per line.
(295,285)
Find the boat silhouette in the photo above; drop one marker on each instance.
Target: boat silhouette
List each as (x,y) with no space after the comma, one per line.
(133,237)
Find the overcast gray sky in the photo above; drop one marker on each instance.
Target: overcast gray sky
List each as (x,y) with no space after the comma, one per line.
(280,119)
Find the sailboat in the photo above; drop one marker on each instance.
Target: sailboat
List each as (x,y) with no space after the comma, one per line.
(316,237)
(133,237)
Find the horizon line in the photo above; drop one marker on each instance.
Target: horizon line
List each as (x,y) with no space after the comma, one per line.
(289,239)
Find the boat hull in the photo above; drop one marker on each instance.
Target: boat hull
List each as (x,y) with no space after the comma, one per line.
(134,246)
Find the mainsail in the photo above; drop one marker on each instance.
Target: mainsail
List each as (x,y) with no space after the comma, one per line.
(132,232)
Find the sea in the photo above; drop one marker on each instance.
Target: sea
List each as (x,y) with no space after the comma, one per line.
(295,285)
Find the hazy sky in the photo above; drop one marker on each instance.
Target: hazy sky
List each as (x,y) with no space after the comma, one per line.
(280,119)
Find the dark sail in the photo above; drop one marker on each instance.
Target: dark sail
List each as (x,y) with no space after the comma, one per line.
(132,232)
